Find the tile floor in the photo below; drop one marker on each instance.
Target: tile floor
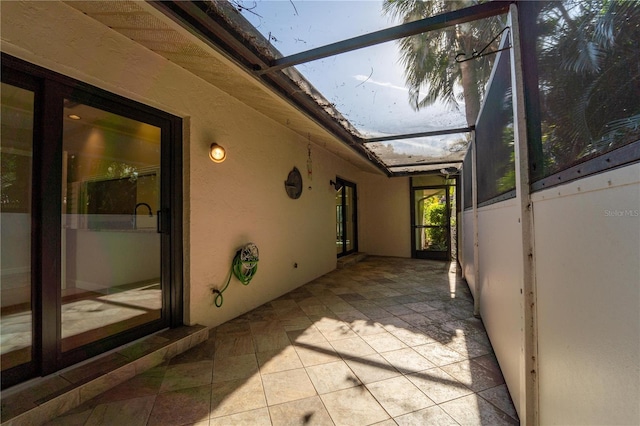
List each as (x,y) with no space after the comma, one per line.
(383,342)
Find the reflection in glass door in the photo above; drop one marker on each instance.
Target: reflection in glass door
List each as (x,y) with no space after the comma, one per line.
(16,152)
(431,223)
(346,214)
(86,263)
(110,246)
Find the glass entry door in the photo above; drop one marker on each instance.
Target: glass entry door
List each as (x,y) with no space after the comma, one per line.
(346,217)
(431,227)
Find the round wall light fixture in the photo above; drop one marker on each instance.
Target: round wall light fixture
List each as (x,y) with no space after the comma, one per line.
(217,154)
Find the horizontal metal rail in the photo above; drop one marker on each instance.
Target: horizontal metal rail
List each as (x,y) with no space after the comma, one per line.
(417,135)
(473,13)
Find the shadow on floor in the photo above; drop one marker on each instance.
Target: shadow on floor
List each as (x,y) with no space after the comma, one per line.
(385,341)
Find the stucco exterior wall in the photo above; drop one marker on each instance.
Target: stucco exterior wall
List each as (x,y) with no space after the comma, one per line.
(385,217)
(587,236)
(227,204)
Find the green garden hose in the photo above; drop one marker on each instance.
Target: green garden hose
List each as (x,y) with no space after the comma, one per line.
(243,267)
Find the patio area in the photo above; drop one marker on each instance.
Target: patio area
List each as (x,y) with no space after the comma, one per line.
(385,341)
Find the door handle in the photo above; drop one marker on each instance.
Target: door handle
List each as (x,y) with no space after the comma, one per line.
(163,224)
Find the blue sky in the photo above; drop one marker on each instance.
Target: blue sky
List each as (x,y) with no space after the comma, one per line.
(367,85)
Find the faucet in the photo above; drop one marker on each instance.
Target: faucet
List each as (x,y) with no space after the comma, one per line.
(135,213)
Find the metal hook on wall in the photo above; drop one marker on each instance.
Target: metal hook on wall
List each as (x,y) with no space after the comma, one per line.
(481,53)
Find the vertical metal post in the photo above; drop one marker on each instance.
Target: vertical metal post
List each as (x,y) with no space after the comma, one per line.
(460,222)
(476,246)
(529,371)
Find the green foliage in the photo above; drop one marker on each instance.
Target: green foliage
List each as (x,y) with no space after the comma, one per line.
(435,213)
(588,53)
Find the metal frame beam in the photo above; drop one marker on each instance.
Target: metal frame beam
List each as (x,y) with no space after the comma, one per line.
(431,163)
(418,135)
(461,16)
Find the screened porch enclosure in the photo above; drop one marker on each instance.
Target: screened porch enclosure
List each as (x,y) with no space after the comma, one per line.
(504,136)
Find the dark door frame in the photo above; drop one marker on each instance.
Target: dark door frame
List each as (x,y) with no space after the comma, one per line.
(428,254)
(342,183)
(50,90)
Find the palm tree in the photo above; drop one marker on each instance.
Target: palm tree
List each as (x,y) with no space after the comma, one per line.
(431,71)
(588,55)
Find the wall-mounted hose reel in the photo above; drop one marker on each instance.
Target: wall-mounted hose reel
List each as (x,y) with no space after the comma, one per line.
(244,266)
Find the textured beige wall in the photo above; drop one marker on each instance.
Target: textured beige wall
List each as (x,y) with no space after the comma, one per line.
(385,216)
(229,204)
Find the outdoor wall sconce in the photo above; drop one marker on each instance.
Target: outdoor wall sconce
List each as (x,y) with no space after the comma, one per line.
(217,154)
(336,185)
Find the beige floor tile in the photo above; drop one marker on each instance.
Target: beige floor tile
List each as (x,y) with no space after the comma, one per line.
(181,376)
(144,384)
(366,328)
(474,410)
(235,367)
(468,347)
(438,385)
(131,412)
(316,353)
(307,335)
(303,412)
(287,386)
(181,407)
(352,347)
(420,307)
(72,418)
(237,396)
(474,376)
(384,342)
(271,341)
(499,396)
(388,422)
(410,336)
(278,360)
(353,407)
(233,346)
(296,323)
(334,329)
(407,360)
(416,320)
(287,342)
(399,396)
(439,354)
(265,327)
(233,328)
(332,377)
(257,417)
(372,368)
(432,416)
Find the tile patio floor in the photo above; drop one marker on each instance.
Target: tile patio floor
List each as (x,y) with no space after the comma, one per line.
(385,341)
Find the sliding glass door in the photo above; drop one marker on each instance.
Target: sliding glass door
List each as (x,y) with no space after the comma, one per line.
(16,153)
(110,246)
(346,217)
(91,221)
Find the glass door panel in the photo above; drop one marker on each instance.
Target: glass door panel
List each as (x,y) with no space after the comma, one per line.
(431,226)
(110,279)
(349,200)
(346,217)
(339,221)
(16,151)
